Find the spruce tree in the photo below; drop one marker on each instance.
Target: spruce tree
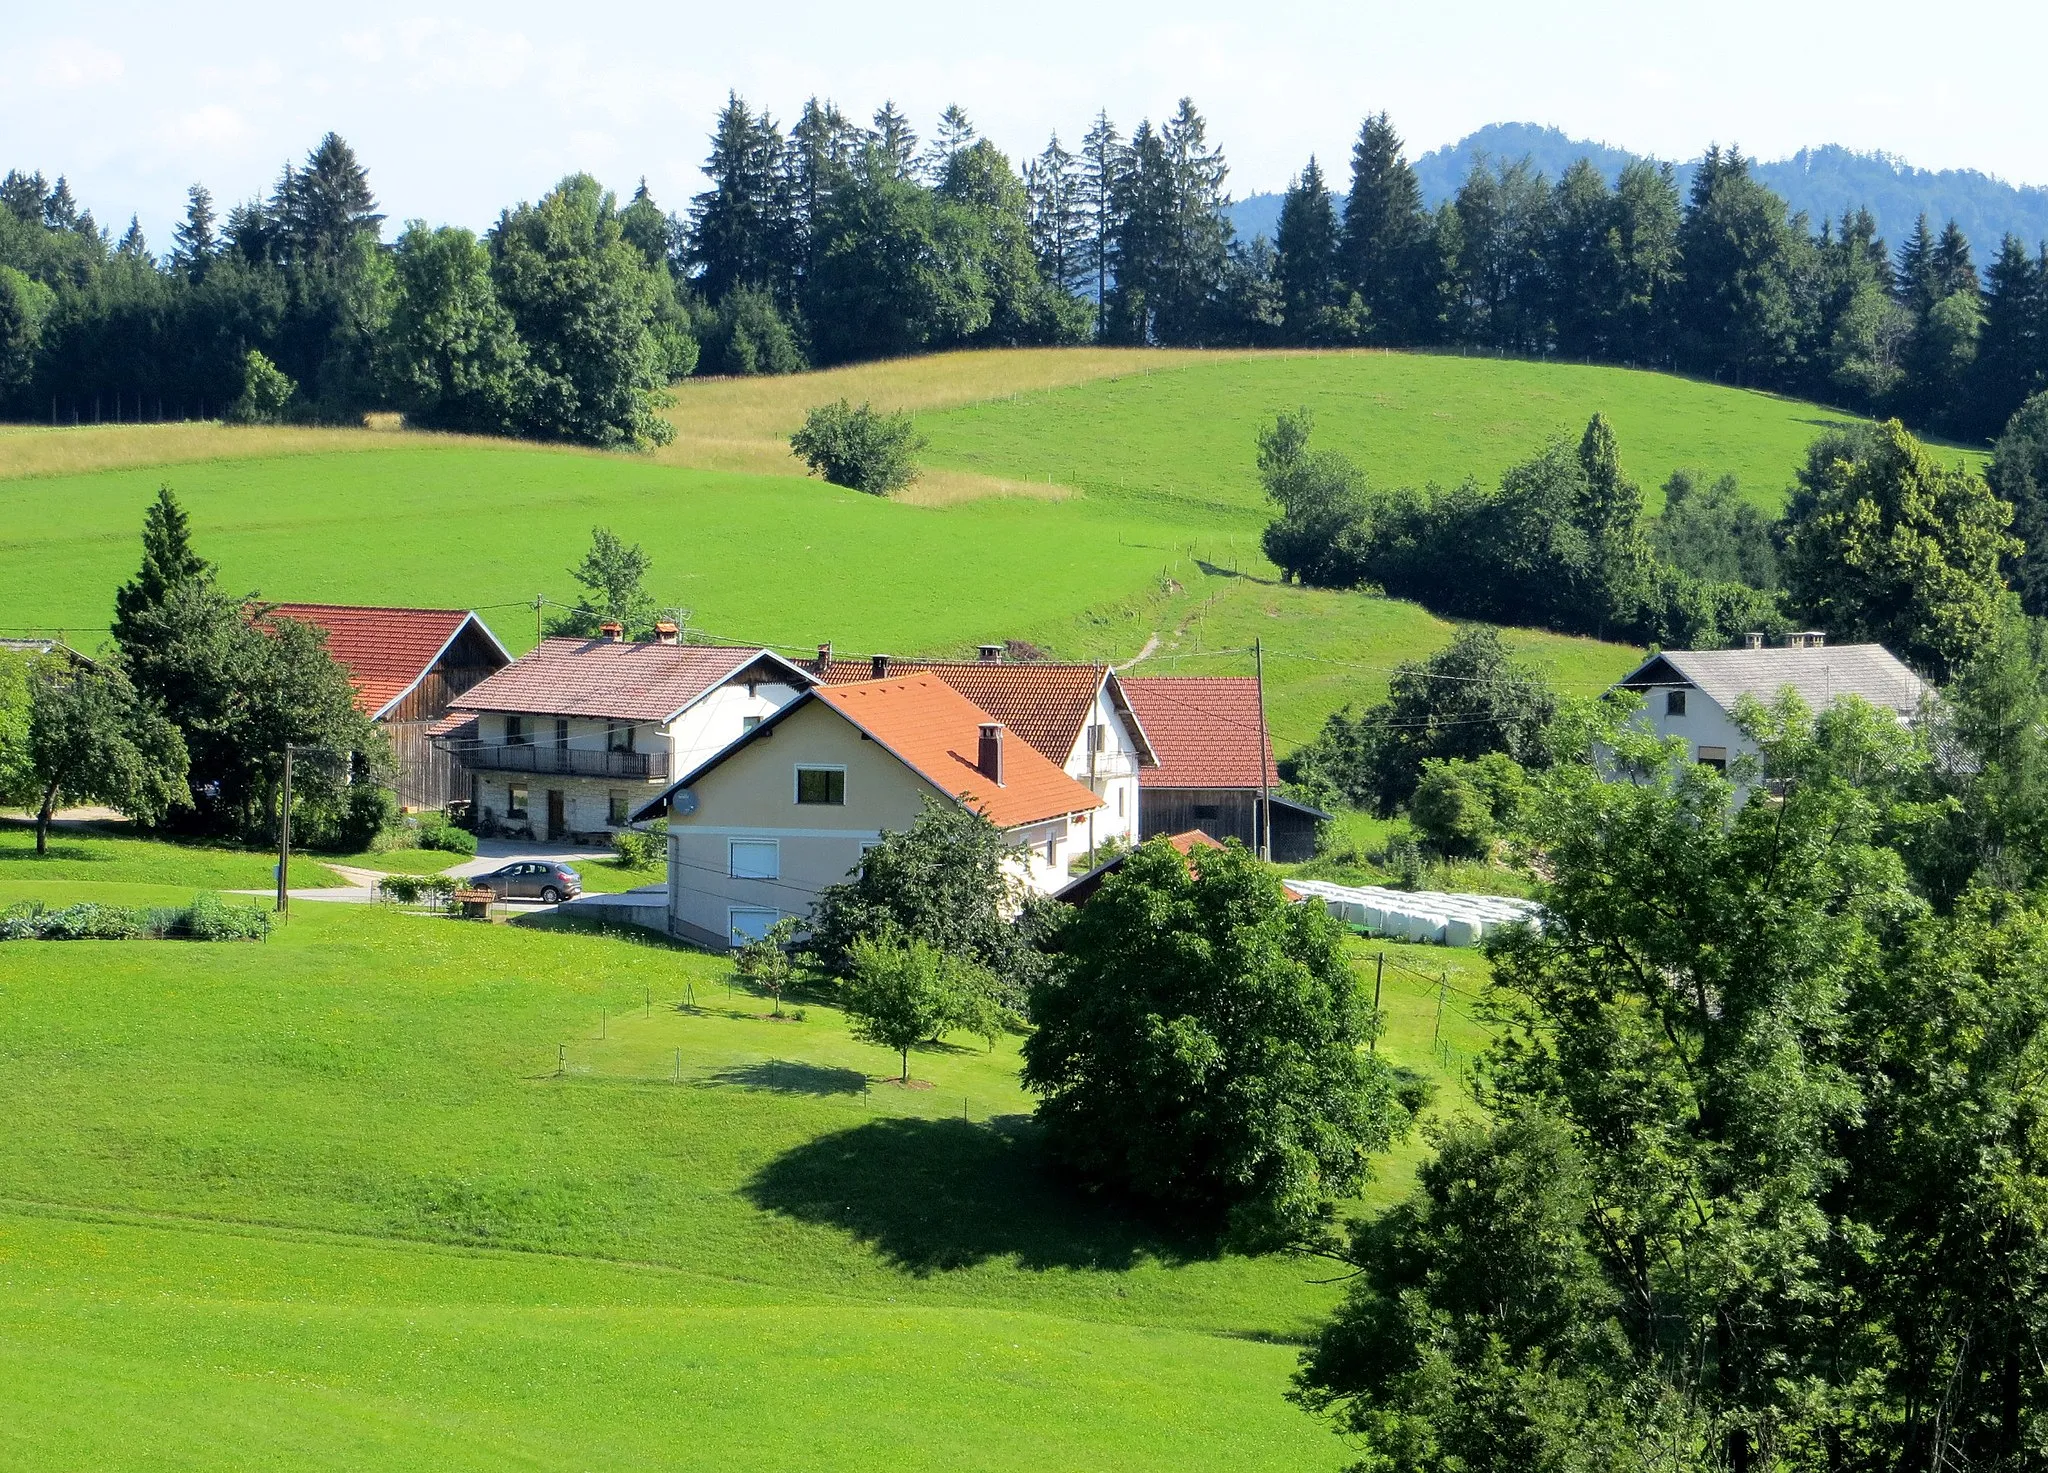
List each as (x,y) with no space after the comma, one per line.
(194,243)
(2012,351)
(954,137)
(734,225)
(1585,276)
(1059,224)
(897,140)
(1103,163)
(1306,263)
(1384,234)
(818,158)
(168,564)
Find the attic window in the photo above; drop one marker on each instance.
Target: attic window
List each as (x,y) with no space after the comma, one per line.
(1674,703)
(823,785)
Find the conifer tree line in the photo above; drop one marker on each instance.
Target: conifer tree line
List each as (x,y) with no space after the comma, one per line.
(832,240)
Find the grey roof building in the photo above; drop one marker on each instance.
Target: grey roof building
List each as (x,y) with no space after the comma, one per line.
(1692,694)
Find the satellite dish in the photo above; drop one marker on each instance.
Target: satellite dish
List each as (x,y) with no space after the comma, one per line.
(683,804)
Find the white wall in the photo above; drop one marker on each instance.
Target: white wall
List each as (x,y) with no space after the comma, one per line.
(1704,724)
(720,718)
(1112,772)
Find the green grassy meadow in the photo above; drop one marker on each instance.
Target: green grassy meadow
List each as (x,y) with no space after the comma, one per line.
(1148,525)
(397,1191)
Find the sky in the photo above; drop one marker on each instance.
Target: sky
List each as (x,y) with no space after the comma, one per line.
(459,109)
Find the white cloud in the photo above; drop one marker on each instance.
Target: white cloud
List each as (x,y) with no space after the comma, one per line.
(72,63)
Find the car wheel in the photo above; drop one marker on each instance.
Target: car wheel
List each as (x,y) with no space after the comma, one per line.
(550,895)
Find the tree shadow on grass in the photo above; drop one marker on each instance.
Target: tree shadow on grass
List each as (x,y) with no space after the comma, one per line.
(786,1076)
(934,1195)
(1217,570)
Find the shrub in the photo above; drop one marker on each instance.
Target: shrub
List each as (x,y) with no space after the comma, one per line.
(1451,812)
(642,848)
(437,833)
(266,391)
(210,918)
(207,918)
(412,889)
(859,448)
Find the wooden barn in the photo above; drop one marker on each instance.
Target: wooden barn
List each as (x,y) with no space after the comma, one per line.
(408,666)
(1215,761)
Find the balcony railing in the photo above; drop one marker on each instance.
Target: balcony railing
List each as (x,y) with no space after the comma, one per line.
(546,758)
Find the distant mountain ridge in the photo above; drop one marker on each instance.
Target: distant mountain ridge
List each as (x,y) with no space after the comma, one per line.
(1821,182)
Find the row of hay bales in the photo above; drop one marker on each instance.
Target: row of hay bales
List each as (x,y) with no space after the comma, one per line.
(1421,915)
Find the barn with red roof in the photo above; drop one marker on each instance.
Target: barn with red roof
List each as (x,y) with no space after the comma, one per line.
(408,666)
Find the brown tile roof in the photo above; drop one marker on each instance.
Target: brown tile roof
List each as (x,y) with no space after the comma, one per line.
(936,731)
(1205,729)
(616,679)
(386,650)
(1046,704)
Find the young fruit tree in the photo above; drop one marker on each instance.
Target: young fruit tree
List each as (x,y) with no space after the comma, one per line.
(896,994)
(765,962)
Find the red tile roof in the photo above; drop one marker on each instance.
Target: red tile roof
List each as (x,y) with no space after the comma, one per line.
(1205,729)
(386,650)
(1046,705)
(615,678)
(936,731)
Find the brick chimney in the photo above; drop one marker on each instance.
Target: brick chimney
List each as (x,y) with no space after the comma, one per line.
(878,666)
(989,760)
(991,654)
(665,631)
(824,657)
(612,630)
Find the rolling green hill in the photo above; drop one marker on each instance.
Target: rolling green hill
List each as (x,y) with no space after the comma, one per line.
(1086,501)
(326,1202)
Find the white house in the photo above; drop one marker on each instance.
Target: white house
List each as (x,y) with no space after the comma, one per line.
(1078,717)
(759,829)
(567,740)
(1692,694)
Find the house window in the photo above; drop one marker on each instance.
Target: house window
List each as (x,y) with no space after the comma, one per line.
(618,736)
(1714,757)
(748,723)
(515,731)
(821,785)
(754,859)
(749,923)
(615,807)
(1119,802)
(1098,738)
(1674,703)
(1052,848)
(515,803)
(561,733)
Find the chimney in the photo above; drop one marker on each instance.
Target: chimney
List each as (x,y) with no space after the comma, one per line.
(824,657)
(991,654)
(878,666)
(665,631)
(1816,639)
(612,630)
(1753,640)
(989,761)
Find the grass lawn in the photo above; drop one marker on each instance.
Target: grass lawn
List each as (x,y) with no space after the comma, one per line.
(98,856)
(1082,499)
(393,1190)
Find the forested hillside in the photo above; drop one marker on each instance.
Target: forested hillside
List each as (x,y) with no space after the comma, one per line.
(833,241)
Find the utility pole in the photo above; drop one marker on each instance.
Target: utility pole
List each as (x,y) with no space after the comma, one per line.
(1265,747)
(284,837)
(538,601)
(1379,973)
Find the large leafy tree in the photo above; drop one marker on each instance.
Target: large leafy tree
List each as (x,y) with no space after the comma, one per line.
(587,306)
(92,740)
(1201,1045)
(1321,497)
(1763,1179)
(1887,545)
(1468,699)
(613,574)
(452,358)
(942,881)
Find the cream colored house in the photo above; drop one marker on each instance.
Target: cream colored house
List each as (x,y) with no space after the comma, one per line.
(567,740)
(759,829)
(1077,717)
